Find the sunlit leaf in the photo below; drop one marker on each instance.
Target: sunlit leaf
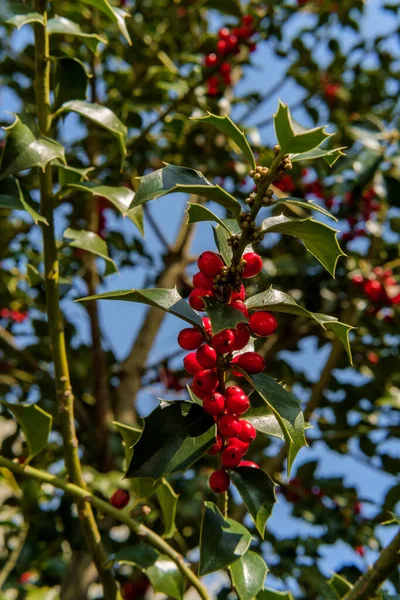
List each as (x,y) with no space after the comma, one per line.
(117,15)
(292,138)
(91,242)
(258,493)
(248,575)
(63,26)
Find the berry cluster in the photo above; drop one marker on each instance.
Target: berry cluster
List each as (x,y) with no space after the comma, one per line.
(212,354)
(15,315)
(229,43)
(380,287)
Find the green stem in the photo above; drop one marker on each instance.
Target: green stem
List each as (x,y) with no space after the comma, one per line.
(119,515)
(65,399)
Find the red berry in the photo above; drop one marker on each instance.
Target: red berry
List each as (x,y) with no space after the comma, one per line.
(219,481)
(246,432)
(205,383)
(190,338)
(235,361)
(224,341)
(262,323)
(247,19)
(229,426)
(249,463)
(201,281)
(232,42)
(232,390)
(224,33)
(253,264)
(210,264)
(5,313)
(360,550)
(120,498)
(242,446)
(241,295)
(207,325)
(240,305)
(373,289)
(227,79)
(212,91)
(252,47)
(211,60)
(225,68)
(231,457)
(206,356)
(242,336)
(222,46)
(237,404)
(196,298)
(358,279)
(251,362)
(214,404)
(191,365)
(215,448)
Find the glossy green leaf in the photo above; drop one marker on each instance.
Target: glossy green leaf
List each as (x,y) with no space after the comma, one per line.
(197,213)
(168,501)
(262,418)
(175,435)
(120,197)
(103,117)
(25,19)
(292,138)
(164,575)
(222,316)
(181,179)
(222,540)
(63,26)
(319,239)
(91,242)
(226,125)
(248,575)
(258,493)
(117,15)
(341,330)
(308,204)
(167,300)
(340,585)
(34,422)
(270,594)
(12,196)
(130,435)
(286,408)
(221,236)
(26,147)
(68,174)
(329,156)
(143,487)
(70,81)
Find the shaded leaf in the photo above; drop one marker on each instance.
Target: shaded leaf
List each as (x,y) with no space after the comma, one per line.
(269,594)
(12,197)
(130,435)
(197,213)
(63,26)
(121,197)
(26,147)
(70,77)
(102,116)
(222,316)
(35,423)
(221,236)
(222,540)
(226,125)
(293,138)
(319,239)
(181,179)
(258,493)
(117,15)
(168,300)
(227,7)
(143,487)
(248,575)
(340,585)
(329,156)
(91,242)
(286,408)
(168,501)
(308,204)
(68,174)
(175,435)
(341,330)
(24,19)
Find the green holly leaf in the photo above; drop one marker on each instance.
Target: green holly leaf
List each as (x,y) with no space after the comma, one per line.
(167,300)
(15,197)
(286,409)
(91,242)
(63,26)
(270,594)
(26,147)
(117,15)
(68,174)
(34,422)
(120,197)
(70,81)
(308,204)
(222,316)
(258,493)
(329,156)
(181,179)
(221,236)
(197,213)
(340,585)
(319,239)
(20,20)
(168,501)
(341,330)
(130,436)
(222,540)
(292,137)
(103,117)
(164,575)
(175,436)
(248,575)
(237,136)
(262,418)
